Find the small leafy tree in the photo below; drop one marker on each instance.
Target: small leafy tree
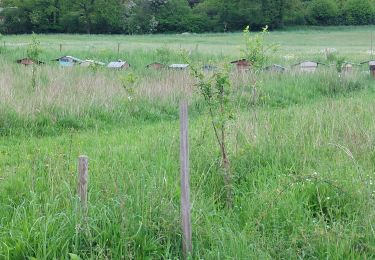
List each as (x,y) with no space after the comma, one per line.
(216,91)
(163,54)
(335,59)
(257,51)
(340,61)
(33,53)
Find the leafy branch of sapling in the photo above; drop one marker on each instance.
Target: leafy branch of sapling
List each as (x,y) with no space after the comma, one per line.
(33,53)
(333,58)
(256,51)
(216,90)
(340,61)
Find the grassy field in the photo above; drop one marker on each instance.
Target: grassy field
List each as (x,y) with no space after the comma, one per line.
(303,156)
(352,42)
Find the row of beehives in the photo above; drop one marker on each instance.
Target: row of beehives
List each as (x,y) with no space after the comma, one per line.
(70,61)
(305,66)
(241,65)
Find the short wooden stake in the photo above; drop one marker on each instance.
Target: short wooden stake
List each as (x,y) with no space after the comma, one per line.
(118,48)
(83,162)
(185,185)
(60,47)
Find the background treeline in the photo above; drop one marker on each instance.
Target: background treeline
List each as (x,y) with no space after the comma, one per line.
(151,16)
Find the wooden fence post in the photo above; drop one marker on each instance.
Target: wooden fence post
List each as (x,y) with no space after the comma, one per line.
(118,48)
(83,180)
(185,185)
(60,47)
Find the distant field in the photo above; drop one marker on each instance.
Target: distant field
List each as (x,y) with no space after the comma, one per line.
(353,42)
(301,149)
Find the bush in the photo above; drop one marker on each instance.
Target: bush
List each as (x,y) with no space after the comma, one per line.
(323,12)
(358,12)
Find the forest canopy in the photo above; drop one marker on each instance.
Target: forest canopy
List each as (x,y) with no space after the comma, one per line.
(163,16)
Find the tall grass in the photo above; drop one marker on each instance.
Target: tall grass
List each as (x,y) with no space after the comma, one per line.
(302,157)
(82,98)
(303,189)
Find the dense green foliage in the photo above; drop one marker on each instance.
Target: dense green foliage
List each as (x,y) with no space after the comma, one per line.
(323,12)
(150,16)
(358,12)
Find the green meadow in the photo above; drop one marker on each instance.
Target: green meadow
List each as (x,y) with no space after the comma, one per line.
(299,43)
(302,153)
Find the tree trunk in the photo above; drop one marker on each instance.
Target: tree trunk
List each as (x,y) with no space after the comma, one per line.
(227,173)
(225,159)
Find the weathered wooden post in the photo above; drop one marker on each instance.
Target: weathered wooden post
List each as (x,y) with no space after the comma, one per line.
(60,47)
(118,48)
(83,180)
(185,185)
